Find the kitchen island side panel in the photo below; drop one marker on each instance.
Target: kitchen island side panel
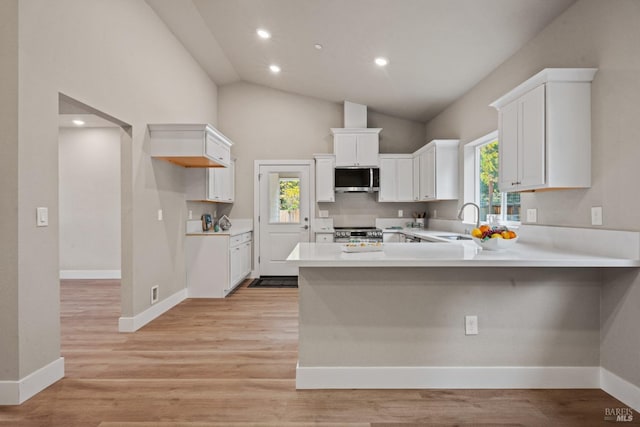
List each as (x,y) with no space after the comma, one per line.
(375,317)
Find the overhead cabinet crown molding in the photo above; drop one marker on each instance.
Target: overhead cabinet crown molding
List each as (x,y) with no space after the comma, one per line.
(544,127)
(190,145)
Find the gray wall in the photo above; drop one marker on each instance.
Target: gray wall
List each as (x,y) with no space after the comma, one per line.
(9,190)
(591,33)
(89,197)
(107,55)
(268,124)
(415,317)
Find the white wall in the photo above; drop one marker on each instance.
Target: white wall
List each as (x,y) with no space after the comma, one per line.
(116,56)
(89,197)
(268,124)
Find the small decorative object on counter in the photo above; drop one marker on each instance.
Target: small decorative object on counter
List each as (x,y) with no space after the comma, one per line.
(363,247)
(224,222)
(494,238)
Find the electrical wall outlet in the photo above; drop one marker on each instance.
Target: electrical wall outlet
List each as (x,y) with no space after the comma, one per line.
(471,325)
(155,295)
(190,214)
(159,214)
(435,214)
(323,214)
(596,215)
(400,213)
(532,215)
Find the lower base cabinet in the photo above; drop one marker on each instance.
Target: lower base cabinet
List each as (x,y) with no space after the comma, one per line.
(217,264)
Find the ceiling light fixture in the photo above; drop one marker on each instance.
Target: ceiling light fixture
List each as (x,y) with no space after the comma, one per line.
(78,122)
(263,34)
(274,68)
(381,62)
(318,46)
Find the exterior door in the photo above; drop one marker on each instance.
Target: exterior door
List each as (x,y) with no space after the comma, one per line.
(283,219)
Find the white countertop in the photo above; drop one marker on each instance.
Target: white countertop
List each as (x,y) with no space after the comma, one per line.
(448,254)
(239,226)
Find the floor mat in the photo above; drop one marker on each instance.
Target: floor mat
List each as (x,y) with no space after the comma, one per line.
(275,282)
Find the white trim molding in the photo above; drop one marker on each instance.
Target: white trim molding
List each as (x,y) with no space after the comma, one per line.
(17,392)
(423,377)
(621,389)
(132,324)
(90,274)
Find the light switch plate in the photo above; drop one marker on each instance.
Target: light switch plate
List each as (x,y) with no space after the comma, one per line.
(42,217)
(596,215)
(159,214)
(532,215)
(323,214)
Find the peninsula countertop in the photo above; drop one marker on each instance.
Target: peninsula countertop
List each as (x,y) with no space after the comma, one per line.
(449,254)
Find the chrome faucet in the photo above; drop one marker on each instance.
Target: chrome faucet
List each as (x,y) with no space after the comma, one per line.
(477,213)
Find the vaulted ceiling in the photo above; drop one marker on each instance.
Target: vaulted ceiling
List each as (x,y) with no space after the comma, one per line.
(437,49)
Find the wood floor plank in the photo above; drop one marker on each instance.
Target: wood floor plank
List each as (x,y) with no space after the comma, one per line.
(232,362)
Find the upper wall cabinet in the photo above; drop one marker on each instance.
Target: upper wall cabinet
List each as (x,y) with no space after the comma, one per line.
(545,131)
(437,175)
(396,178)
(190,145)
(211,184)
(325,188)
(356,147)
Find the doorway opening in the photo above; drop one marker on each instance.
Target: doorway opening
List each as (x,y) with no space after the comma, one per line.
(94,151)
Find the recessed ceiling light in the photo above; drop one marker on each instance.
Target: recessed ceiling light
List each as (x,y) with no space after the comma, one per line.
(381,62)
(78,122)
(318,46)
(263,34)
(274,68)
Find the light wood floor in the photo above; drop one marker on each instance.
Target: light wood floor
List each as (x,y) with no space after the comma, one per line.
(232,362)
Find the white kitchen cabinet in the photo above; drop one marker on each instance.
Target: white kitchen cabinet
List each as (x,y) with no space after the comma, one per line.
(545,131)
(416,178)
(325,178)
(216,264)
(324,237)
(438,170)
(396,178)
(355,147)
(211,184)
(190,145)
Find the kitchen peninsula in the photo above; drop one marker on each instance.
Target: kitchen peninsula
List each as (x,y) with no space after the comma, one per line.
(396,318)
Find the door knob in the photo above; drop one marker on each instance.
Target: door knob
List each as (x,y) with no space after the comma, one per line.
(306,227)
(306,219)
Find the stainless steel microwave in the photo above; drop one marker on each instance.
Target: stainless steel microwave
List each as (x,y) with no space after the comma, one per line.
(365,180)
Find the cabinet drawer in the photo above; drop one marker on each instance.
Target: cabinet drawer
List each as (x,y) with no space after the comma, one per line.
(239,239)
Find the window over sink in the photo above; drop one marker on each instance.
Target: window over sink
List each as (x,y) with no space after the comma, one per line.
(481,184)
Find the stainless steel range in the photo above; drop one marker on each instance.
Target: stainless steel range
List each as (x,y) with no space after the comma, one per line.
(357,234)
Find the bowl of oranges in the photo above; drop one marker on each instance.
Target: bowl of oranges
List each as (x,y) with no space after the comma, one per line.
(494,238)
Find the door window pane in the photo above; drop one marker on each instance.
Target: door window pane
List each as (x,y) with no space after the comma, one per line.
(284,198)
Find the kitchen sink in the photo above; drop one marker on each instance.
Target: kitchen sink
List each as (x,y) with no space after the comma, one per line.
(455,237)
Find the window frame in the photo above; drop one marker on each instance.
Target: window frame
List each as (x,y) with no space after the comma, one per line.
(471,181)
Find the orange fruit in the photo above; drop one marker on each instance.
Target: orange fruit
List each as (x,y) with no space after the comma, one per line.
(476,232)
(496,236)
(512,234)
(484,228)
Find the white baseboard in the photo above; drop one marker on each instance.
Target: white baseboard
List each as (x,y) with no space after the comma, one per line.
(621,389)
(446,377)
(16,392)
(132,324)
(90,274)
